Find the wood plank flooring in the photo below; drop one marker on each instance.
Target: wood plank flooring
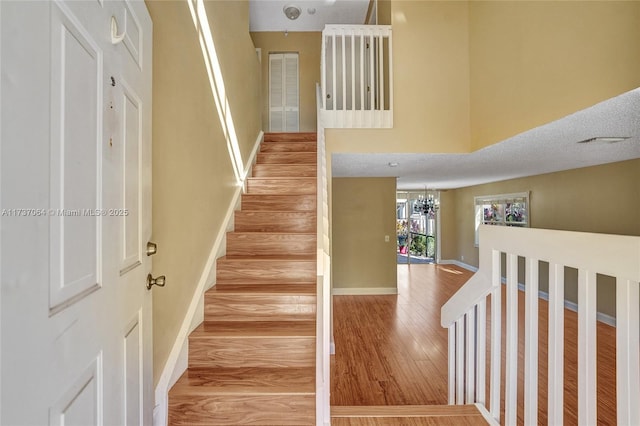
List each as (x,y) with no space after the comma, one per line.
(391,350)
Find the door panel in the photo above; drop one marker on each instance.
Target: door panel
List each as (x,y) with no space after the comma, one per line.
(75,195)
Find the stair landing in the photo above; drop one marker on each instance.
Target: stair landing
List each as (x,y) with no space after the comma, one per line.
(407,415)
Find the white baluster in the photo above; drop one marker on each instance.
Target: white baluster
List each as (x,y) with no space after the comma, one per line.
(481,352)
(556,345)
(531,345)
(511,372)
(460,361)
(587,349)
(496,335)
(452,363)
(627,351)
(471,356)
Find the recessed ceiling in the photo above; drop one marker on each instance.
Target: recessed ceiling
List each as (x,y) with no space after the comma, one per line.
(268,15)
(549,148)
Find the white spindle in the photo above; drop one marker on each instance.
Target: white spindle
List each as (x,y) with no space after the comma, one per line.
(390,61)
(471,357)
(556,345)
(496,335)
(587,398)
(381,71)
(460,361)
(452,363)
(481,351)
(363,82)
(343,34)
(323,71)
(627,351)
(334,76)
(371,74)
(511,372)
(353,70)
(531,345)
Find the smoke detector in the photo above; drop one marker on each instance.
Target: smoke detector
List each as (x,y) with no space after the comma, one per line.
(292,12)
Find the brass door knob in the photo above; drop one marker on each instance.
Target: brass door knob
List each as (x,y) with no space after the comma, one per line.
(160,281)
(152,248)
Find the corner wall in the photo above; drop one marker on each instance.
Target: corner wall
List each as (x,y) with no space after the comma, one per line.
(602,199)
(363,212)
(308,45)
(193,178)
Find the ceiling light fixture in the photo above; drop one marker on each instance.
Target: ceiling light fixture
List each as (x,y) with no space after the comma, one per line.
(292,12)
(607,139)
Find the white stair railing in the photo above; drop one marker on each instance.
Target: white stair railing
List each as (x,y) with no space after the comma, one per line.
(357,76)
(465,317)
(323,315)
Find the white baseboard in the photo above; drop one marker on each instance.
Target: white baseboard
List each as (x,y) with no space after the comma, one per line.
(363,291)
(604,318)
(458,263)
(177,362)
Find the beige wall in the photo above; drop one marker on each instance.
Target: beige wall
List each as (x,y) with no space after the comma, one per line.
(193,180)
(431,84)
(363,212)
(566,200)
(471,74)
(308,46)
(533,62)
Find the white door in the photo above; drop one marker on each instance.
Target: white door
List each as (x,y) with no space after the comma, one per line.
(283,92)
(75,175)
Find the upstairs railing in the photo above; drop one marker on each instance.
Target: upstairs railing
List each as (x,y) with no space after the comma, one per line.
(357,76)
(323,312)
(465,317)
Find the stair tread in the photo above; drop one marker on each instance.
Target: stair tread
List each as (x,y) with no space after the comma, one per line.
(246,381)
(264,289)
(254,329)
(264,258)
(403,410)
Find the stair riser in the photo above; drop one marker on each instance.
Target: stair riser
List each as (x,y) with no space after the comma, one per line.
(288,147)
(242,409)
(272,271)
(290,137)
(286,158)
(263,352)
(283,186)
(278,203)
(253,244)
(284,170)
(259,308)
(302,222)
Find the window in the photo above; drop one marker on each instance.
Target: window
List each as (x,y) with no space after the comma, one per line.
(501,210)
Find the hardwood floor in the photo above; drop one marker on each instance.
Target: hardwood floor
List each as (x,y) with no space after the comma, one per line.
(391,350)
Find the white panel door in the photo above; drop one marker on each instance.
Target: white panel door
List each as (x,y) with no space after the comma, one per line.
(283,92)
(75,186)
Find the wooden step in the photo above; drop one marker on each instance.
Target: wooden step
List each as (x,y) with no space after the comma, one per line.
(266,270)
(290,137)
(294,222)
(243,396)
(281,185)
(278,203)
(270,243)
(286,158)
(288,146)
(284,170)
(253,344)
(407,415)
(264,303)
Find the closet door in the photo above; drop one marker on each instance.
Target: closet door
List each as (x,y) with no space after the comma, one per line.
(283,92)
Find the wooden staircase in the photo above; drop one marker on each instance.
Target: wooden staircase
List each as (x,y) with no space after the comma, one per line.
(252,360)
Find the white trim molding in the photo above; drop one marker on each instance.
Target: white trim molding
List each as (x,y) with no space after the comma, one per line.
(177,362)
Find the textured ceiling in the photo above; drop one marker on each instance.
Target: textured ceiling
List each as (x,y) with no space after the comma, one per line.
(549,148)
(268,15)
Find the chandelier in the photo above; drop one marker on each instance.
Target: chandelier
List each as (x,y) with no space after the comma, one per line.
(426,205)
